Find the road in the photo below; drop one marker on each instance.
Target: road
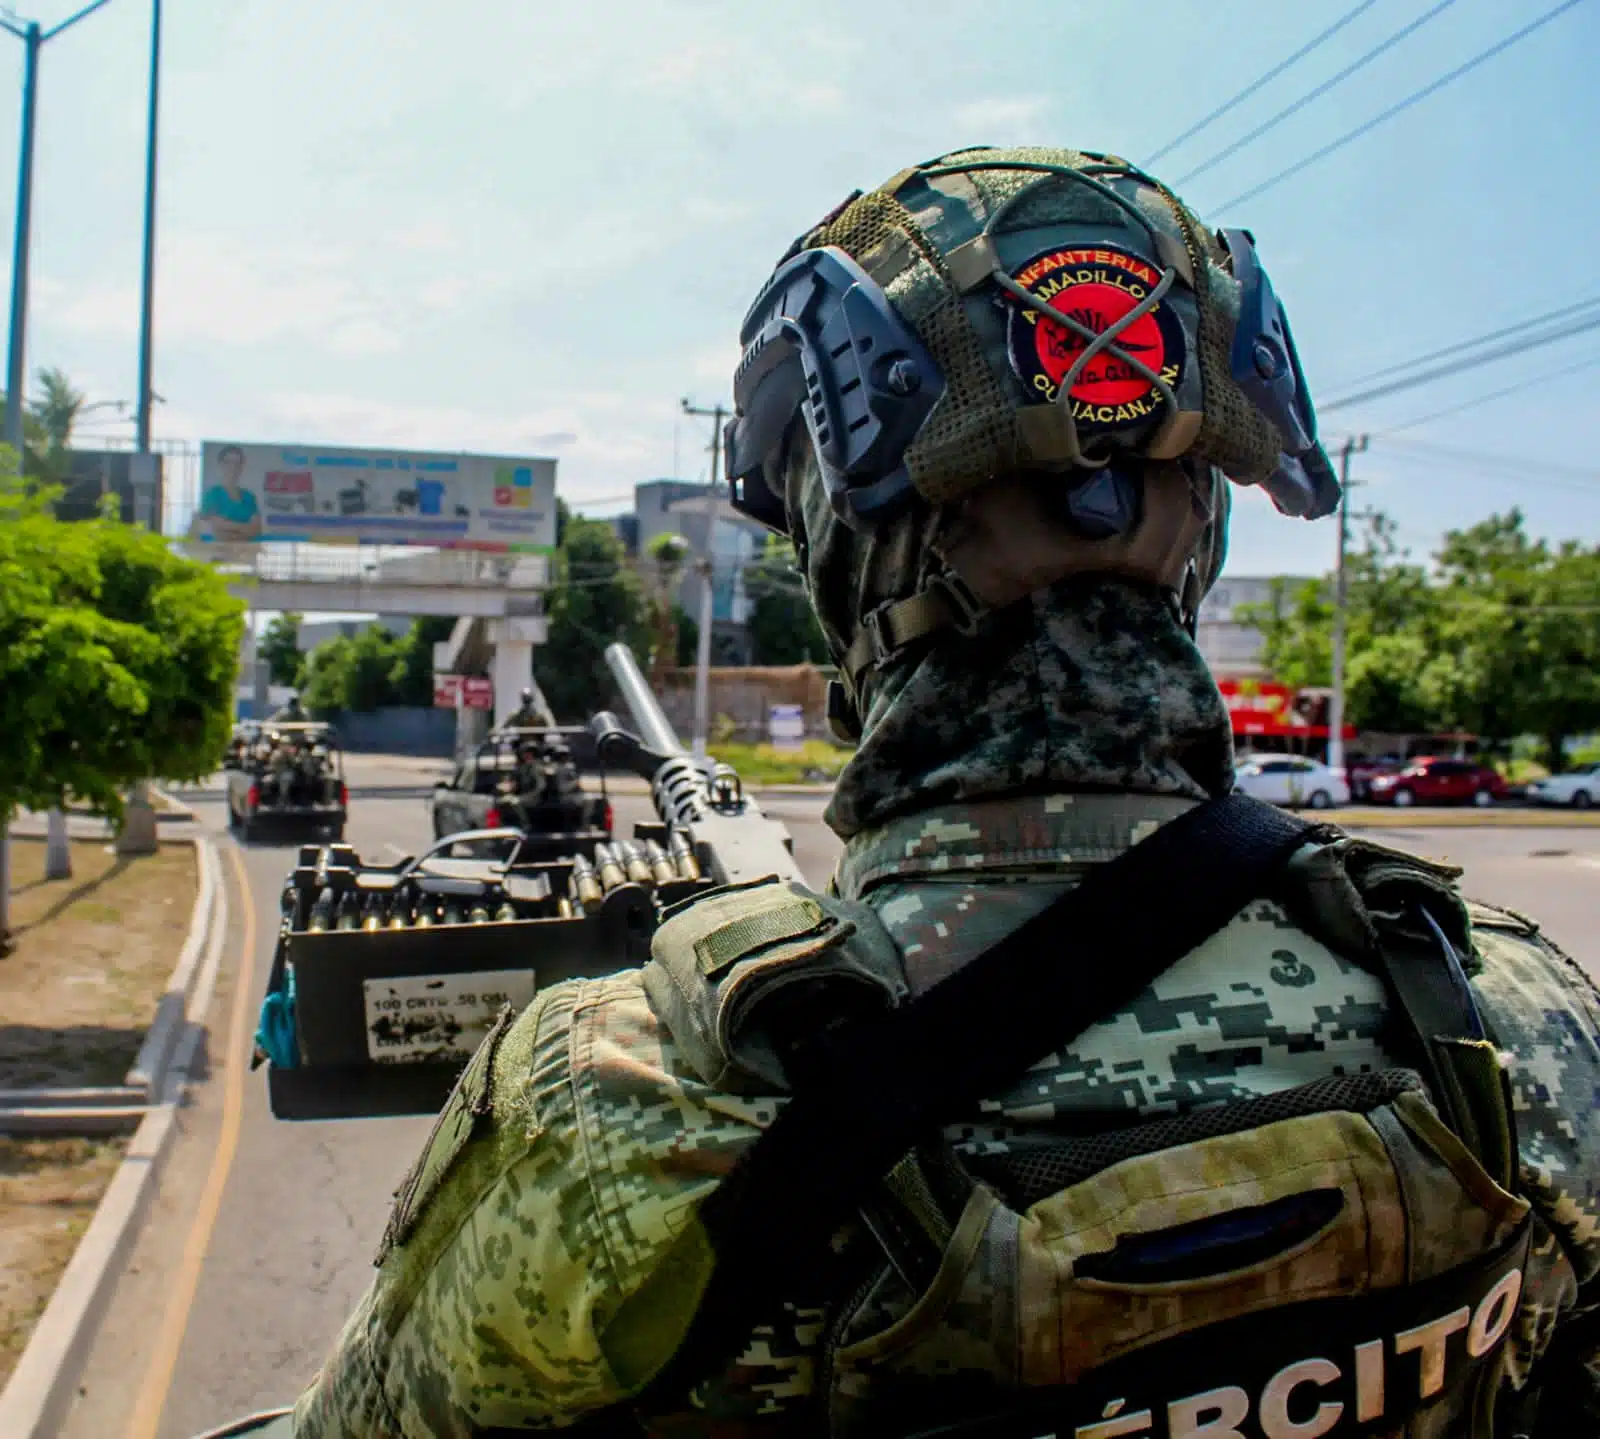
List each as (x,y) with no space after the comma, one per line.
(304,1204)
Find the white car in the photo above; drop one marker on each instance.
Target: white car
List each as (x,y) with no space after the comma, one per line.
(1291,781)
(1579,787)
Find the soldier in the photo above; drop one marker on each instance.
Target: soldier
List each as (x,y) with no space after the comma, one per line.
(1360,1086)
(291,713)
(534,711)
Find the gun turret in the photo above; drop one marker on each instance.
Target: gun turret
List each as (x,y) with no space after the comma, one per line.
(702,799)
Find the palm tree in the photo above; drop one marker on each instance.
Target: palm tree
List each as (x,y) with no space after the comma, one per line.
(57,407)
(668,554)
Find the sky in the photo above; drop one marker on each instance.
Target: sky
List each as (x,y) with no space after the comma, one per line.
(517,228)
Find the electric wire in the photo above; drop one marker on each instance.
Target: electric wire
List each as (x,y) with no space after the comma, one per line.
(1256,85)
(1515,463)
(1400,105)
(1316,93)
(1446,351)
(1477,401)
(1456,367)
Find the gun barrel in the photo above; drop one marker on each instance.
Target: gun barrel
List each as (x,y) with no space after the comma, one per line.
(651,722)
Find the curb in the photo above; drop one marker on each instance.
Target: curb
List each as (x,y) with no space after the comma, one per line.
(116,1109)
(150,1068)
(41,1388)
(1417,817)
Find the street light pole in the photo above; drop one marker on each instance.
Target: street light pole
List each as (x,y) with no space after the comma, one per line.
(702,662)
(15,359)
(58,854)
(33,40)
(1352,446)
(147,296)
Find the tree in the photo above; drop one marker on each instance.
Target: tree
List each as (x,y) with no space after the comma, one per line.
(1520,638)
(1391,625)
(280,648)
(375,668)
(596,599)
(57,408)
(1501,639)
(687,630)
(118,658)
(783,626)
(666,556)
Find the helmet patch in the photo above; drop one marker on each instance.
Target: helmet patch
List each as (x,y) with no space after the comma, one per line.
(1095,286)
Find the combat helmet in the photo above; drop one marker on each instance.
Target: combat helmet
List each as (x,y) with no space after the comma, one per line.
(1047,352)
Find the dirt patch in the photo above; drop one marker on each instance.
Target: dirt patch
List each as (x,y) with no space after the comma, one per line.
(48,1192)
(93,954)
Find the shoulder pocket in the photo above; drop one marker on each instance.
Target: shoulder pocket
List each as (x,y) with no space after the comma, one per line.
(469,1102)
(716,963)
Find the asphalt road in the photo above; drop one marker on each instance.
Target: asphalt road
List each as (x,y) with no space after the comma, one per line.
(304,1204)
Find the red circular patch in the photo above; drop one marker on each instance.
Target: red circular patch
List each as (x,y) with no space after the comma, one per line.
(1096,286)
(1106,379)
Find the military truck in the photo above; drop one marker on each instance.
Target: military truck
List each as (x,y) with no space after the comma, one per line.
(524,778)
(287,777)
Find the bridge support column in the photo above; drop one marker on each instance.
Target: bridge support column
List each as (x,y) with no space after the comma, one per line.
(511,669)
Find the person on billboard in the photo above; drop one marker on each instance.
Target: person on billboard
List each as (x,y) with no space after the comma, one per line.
(228,511)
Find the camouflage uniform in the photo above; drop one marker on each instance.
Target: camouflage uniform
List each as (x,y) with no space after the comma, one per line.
(993,773)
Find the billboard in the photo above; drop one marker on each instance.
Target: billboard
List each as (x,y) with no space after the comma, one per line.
(322,494)
(94,473)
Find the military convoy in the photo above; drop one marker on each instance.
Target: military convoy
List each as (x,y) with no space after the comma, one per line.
(386,976)
(286,775)
(525,778)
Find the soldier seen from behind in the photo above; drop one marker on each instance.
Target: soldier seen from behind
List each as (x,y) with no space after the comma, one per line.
(1336,1171)
(533,712)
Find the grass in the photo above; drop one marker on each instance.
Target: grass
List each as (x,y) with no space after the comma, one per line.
(93,954)
(815,762)
(92,957)
(48,1192)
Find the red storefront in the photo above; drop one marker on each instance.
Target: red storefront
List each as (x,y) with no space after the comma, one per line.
(1267,715)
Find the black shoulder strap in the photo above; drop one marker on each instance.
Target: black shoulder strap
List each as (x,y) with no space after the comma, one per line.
(884,1084)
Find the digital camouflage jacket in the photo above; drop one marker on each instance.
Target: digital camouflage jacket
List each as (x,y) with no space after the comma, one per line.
(584,1134)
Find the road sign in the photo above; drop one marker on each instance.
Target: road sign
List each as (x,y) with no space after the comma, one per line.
(446,692)
(786,726)
(477,693)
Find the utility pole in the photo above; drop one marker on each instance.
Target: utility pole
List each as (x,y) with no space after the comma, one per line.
(1352,446)
(138,833)
(33,40)
(58,853)
(15,358)
(702,662)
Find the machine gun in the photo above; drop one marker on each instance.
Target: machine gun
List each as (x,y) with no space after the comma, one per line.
(386,977)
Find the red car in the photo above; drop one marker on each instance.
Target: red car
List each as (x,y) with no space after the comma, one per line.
(1438,781)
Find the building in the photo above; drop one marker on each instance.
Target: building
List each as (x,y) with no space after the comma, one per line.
(679,507)
(1229,644)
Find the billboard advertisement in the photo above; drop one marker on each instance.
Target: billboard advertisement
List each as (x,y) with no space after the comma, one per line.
(322,494)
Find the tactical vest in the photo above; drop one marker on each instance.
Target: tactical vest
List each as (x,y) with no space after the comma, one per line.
(1341,1259)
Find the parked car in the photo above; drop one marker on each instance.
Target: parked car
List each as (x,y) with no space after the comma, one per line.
(1439,781)
(1366,768)
(1579,788)
(1291,781)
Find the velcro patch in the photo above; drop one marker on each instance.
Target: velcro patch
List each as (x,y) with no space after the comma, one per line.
(725,946)
(470,1100)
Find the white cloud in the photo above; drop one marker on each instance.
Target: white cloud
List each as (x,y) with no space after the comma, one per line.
(1005,119)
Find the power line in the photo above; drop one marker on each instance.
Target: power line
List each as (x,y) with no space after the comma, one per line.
(1480,400)
(1517,463)
(1255,85)
(1414,98)
(1476,340)
(1457,367)
(1317,93)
